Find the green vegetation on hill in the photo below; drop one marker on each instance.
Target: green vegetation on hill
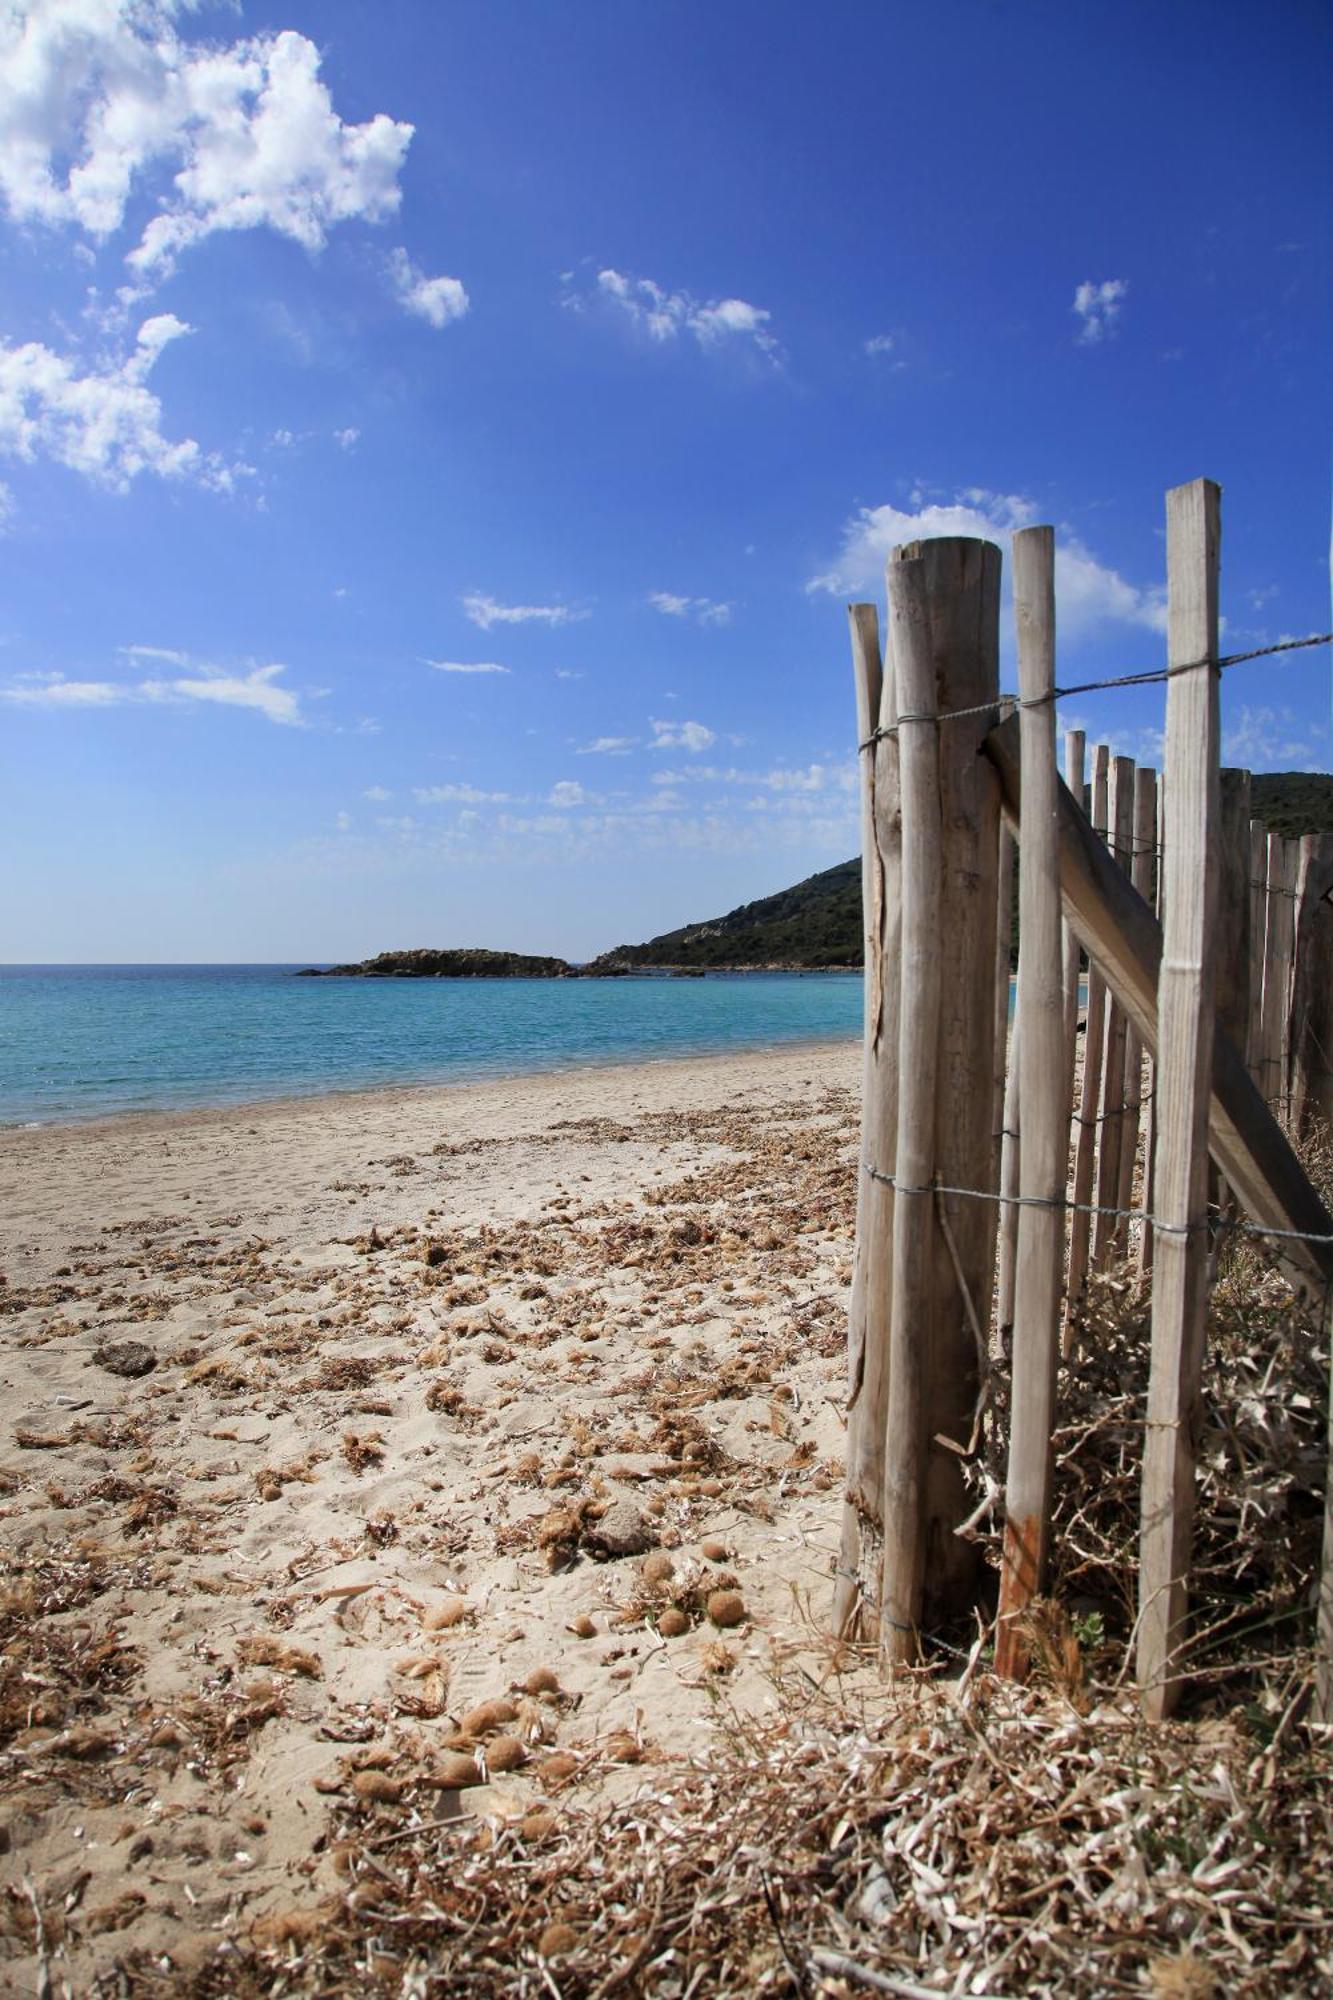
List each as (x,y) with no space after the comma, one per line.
(817,923)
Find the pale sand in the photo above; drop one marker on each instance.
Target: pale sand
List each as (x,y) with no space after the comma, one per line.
(638,1291)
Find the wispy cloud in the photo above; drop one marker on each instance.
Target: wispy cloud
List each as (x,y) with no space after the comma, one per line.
(1088,592)
(1097,308)
(1274,739)
(691,736)
(879,343)
(461,795)
(487,611)
(467,666)
(664,315)
(256,689)
(436,300)
(608,746)
(703,610)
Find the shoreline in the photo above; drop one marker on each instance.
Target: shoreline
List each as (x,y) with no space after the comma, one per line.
(176,1116)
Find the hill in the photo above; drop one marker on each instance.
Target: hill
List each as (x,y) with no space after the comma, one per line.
(468,963)
(816,924)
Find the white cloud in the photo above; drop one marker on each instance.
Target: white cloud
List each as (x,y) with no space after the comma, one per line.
(466,666)
(1098,308)
(879,343)
(664,315)
(347,438)
(608,746)
(377,794)
(100,98)
(692,736)
(105,424)
(436,300)
(344,822)
(256,690)
(569,674)
(704,610)
(1274,739)
(463,795)
(568,793)
(1088,592)
(167,654)
(487,611)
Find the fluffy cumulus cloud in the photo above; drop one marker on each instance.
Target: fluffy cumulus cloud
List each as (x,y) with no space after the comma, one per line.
(436,300)
(214,687)
(665,315)
(487,611)
(1088,592)
(1098,307)
(692,736)
(703,610)
(98,97)
(104,422)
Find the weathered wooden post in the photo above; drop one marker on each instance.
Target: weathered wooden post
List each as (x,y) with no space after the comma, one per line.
(1044,1159)
(1150,1136)
(1006,1079)
(856,1596)
(1311,1074)
(1254,1038)
(1105,1227)
(1185,1013)
(915,1225)
(1085,1152)
(1279,934)
(1143,876)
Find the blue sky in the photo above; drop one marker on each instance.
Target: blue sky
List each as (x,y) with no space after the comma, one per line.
(437,440)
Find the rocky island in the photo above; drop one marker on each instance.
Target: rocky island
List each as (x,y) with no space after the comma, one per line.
(467,963)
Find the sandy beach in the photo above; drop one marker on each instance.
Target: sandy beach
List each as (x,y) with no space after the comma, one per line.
(360,1439)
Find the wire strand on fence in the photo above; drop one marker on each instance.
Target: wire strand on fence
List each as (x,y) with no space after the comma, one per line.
(1094,1208)
(1145,679)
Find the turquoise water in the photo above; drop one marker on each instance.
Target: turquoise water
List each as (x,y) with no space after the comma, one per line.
(88,1041)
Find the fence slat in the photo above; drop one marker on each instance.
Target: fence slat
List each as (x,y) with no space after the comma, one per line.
(1279,934)
(856,1594)
(1142,874)
(1006,1088)
(1045,1148)
(1254,1040)
(1185,1062)
(1111,1141)
(1085,1152)
(914,1223)
(1312,988)
(1246,1140)
(1150,1135)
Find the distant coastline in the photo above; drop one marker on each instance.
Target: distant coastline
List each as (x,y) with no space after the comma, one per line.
(421,963)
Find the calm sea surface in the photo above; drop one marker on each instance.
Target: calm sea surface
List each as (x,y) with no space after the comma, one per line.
(86,1041)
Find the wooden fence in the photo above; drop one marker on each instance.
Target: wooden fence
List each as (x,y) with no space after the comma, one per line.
(999,1171)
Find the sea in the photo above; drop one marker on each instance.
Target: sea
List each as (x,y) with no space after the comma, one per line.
(81,1042)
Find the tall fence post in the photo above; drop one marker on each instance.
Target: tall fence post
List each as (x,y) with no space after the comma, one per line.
(856,1594)
(1044,1160)
(1085,1152)
(1106,1226)
(1150,1136)
(1184,1074)
(1006,1079)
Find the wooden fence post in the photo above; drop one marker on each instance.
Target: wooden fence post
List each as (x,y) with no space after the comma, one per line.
(1150,1136)
(1106,1226)
(914,1221)
(856,1593)
(962,580)
(1006,1079)
(1044,1162)
(1185,1012)
(1085,1152)
(1075,756)
(1143,874)
(1312,988)
(1279,933)
(1254,1039)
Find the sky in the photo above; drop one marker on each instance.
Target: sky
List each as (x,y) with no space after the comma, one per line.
(439,438)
